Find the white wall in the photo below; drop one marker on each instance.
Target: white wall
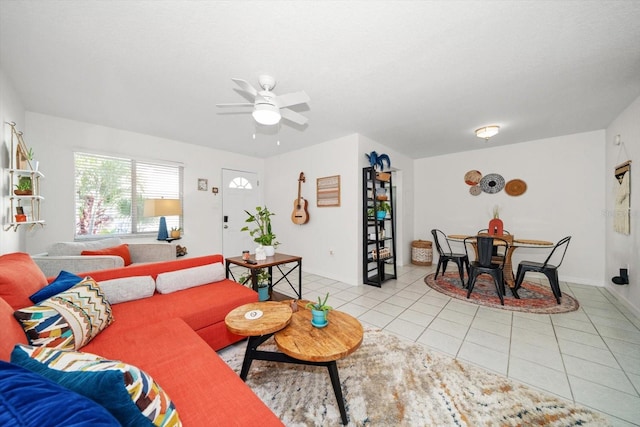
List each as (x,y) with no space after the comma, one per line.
(624,250)
(55,139)
(565,196)
(329,228)
(334,229)
(11,110)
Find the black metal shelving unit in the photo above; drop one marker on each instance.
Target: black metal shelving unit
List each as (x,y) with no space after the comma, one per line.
(378,235)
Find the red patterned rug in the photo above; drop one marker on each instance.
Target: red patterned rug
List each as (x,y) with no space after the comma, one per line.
(534,298)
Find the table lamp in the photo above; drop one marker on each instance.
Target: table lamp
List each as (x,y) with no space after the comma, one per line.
(162,208)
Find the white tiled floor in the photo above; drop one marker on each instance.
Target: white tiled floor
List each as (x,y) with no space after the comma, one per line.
(590,356)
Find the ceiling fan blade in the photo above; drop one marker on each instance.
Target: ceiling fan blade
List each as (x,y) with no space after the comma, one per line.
(293,116)
(234,105)
(293,98)
(246,86)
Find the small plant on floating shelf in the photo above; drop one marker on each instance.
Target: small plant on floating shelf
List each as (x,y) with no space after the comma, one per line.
(262,276)
(23,185)
(320,305)
(176,229)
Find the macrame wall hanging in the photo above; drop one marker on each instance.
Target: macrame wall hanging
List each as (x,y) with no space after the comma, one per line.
(622,194)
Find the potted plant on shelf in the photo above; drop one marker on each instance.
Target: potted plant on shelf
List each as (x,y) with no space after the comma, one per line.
(23,187)
(262,233)
(380,209)
(175,232)
(319,312)
(262,276)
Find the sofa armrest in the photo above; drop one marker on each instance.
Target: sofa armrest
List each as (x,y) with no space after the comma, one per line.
(151,252)
(52,265)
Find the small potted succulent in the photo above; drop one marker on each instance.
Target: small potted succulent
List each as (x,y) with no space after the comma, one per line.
(319,312)
(23,187)
(175,232)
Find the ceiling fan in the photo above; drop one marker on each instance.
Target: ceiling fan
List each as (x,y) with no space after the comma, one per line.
(269,108)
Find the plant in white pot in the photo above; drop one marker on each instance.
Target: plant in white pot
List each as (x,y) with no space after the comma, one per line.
(262,232)
(262,276)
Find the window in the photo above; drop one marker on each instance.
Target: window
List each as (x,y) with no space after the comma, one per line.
(110,194)
(240,183)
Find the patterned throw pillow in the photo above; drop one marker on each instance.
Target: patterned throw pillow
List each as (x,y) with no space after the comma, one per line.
(130,394)
(68,320)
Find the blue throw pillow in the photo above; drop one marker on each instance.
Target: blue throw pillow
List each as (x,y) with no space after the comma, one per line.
(30,400)
(129,393)
(64,281)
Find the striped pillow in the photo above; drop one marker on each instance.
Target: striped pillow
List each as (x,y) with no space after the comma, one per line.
(130,394)
(68,320)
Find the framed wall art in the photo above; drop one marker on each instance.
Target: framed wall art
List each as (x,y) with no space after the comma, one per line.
(203,184)
(328,191)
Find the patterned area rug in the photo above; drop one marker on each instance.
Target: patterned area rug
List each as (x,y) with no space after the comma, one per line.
(534,298)
(390,382)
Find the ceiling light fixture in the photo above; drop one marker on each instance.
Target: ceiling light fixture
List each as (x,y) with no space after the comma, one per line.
(487,132)
(266,114)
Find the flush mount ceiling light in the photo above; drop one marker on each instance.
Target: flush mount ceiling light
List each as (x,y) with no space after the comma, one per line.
(487,132)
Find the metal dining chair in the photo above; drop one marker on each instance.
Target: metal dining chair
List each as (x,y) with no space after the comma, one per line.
(498,251)
(485,263)
(546,268)
(446,254)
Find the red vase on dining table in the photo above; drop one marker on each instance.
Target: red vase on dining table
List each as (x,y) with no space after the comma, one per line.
(496,227)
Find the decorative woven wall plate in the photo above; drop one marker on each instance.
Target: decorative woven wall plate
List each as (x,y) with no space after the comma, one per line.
(492,183)
(472,177)
(515,187)
(475,190)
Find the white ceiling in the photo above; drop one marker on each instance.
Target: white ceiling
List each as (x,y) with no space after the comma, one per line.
(417,76)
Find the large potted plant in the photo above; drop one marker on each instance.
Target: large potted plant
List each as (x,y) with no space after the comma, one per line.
(261,232)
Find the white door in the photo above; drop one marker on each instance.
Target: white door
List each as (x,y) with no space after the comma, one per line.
(239,193)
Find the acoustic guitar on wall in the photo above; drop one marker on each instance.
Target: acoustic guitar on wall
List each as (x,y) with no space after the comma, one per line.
(300,215)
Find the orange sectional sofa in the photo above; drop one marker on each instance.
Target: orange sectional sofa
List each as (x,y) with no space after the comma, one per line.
(172,336)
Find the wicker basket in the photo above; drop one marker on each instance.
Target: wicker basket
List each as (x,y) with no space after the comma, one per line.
(421,252)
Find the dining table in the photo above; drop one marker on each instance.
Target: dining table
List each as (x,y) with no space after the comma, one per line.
(509,277)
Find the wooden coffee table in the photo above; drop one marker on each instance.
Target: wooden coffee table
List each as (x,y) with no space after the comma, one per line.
(298,341)
(275,316)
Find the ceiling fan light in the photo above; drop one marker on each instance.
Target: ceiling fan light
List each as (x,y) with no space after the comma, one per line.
(266,114)
(487,132)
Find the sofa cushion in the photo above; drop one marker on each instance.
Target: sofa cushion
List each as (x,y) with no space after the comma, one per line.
(205,390)
(121,250)
(68,320)
(189,277)
(11,333)
(129,393)
(64,281)
(76,248)
(128,288)
(29,399)
(19,278)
